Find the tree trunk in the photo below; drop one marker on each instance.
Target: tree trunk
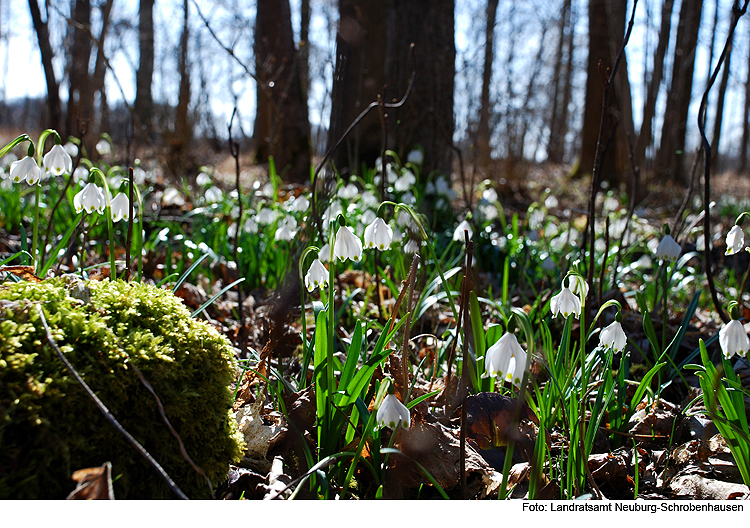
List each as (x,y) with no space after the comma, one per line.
(483,130)
(426,118)
(670,159)
(720,109)
(560,85)
(745,123)
(646,133)
(53,88)
(281,122)
(144,101)
(79,81)
(100,70)
(358,80)
(182,126)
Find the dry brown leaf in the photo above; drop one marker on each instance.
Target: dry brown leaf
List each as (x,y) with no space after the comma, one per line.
(93,483)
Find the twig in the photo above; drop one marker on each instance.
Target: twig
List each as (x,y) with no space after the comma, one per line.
(111,419)
(465,367)
(234,149)
(131,213)
(736,14)
(407,327)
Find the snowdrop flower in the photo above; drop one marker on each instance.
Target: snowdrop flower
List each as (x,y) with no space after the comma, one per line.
(139,176)
(57,161)
(368,199)
(733,339)
(71,149)
(392,413)
(91,198)
(735,240)
(405,182)
(506,359)
(408,198)
(578,285)
(668,249)
(349,191)
(458,234)
(325,253)
(301,204)
(411,247)
(286,230)
(250,225)
(213,195)
(202,179)
(442,187)
(317,276)
(347,245)
(490,195)
(565,303)
(103,147)
(120,207)
(81,173)
(390,173)
(416,157)
(613,337)
(266,216)
(25,169)
(378,235)
(551,202)
(368,217)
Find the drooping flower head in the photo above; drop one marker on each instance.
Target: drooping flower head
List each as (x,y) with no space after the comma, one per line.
(506,359)
(317,276)
(565,303)
(392,413)
(458,234)
(286,229)
(120,207)
(91,198)
(732,336)
(735,240)
(613,336)
(25,169)
(668,248)
(57,161)
(347,245)
(378,235)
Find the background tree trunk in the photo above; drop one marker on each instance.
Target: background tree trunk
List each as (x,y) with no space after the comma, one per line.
(745,122)
(80,115)
(281,122)
(358,79)
(100,69)
(561,87)
(53,88)
(144,101)
(182,135)
(427,117)
(483,130)
(720,108)
(670,159)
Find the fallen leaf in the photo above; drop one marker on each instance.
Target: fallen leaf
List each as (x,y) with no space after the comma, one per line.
(93,483)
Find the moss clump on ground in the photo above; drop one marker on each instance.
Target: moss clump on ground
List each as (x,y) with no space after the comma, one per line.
(49,427)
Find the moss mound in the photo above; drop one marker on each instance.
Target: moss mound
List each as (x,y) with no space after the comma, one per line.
(49,427)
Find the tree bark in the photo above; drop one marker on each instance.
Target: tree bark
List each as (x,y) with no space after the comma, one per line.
(745,123)
(80,113)
(720,108)
(144,101)
(281,122)
(561,87)
(100,70)
(53,88)
(182,126)
(646,133)
(426,118)
(670,159)
(483,130)
(359,78)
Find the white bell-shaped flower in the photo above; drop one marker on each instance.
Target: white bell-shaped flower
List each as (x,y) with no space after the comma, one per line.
(91,198)
(733,339)
(735,240)
(506,359)
(120,207)
(347,245)
(411,247)
(300,204)
(404,182)
(71,149)
(286,229)
(578,285)
(668,249)
(378,235)
(565,303)
(57,161)
(213,195)
(81,173)
(325,253)
(392,413)
(416,157)
(266,216)
(317,276)
(347,192)
(103,147)
(25,169)
(458,234)
(613,336)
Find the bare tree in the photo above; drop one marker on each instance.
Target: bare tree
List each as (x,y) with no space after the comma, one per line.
(144,101)
(281,121)
(79,81)
(670,158)
(53,88)
(745,123)
(720,105)
(182,135)
(483,129)
(561,86)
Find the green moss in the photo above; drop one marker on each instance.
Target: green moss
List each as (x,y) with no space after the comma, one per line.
(49,427)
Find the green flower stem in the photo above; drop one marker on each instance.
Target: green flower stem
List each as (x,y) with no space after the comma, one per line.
(38,194)
(307,251)
(331,332)
(110,228)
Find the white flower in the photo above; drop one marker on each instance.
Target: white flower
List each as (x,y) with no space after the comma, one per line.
(378,235)
(266,216)
(506,359)
(25,169)
(578,285)
(442,187)
(490,195)
(347,245)
(613,337)
(411,247)
(565,303)
(213,195)
(735,240)
(81,173)
(300,204)
(103,147)
(250,225)
(57,161)
(458,234)
(139,176)
(409,198)
(325,253)
(202,179)
(71,149)
(368,199)
(668,249)
(733,339)
(392,413)
(416,157)
(286,230)
(368,217)
(91,198)
(347,192)
(120,207)
(405,182)
(391,174)
(317,276)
